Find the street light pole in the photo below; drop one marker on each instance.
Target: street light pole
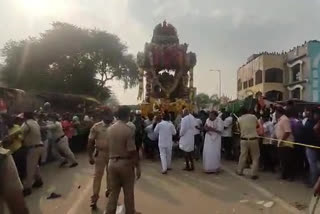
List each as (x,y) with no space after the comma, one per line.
(219,71)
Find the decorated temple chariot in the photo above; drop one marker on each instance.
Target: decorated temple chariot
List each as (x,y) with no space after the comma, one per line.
(166,72)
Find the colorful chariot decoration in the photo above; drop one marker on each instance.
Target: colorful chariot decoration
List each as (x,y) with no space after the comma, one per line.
(167,68)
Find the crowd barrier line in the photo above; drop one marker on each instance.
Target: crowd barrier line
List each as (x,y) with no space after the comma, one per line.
(286,141)
(282,141)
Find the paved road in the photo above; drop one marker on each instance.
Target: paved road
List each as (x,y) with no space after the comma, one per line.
(177,192)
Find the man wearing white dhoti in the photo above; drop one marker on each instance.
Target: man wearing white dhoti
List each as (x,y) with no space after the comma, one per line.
(212,143)
(166,130)
(186,142)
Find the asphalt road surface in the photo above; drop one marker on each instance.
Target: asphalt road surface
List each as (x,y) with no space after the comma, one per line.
(175,193)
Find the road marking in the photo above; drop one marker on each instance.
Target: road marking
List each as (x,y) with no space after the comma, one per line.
(264,192)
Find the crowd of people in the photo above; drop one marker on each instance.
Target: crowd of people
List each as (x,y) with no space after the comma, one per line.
(278,138)
(34,138)
(281,138)
(261,140)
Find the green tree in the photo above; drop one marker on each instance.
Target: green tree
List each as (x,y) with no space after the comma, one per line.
(205,101)
(202,100)
(69,59)
(214,100)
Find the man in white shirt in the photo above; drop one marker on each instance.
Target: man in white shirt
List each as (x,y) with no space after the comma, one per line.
(227,143)
(166,130)
(186,142)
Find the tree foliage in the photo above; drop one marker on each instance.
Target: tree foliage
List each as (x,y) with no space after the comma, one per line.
(205,101)
(69,59)
(202,100)
(214,100)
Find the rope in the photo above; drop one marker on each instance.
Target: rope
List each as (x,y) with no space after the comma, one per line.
(293,143)
(285,141)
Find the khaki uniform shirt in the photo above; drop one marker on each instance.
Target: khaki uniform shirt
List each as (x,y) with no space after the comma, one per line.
(31,133)
(283,126)
(98,134)
(248,126)
(56,130)
(121,140)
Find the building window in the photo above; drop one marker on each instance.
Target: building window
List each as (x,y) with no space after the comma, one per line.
(258,77)
(274,95)
(239,85)
(274,75)
(245,84)
(296,73)
(250,82)
(296,93)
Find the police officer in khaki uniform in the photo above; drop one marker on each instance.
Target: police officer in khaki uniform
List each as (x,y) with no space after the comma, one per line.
(98,141)
(60,143)
(32,141)
(249,144)
(123,162)
(10,186)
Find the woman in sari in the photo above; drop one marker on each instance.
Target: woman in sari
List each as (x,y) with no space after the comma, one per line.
(212,143)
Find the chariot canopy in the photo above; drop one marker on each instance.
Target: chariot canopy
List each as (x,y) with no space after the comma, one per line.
(166,66)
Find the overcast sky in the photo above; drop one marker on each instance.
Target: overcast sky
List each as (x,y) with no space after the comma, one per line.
(222,33)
